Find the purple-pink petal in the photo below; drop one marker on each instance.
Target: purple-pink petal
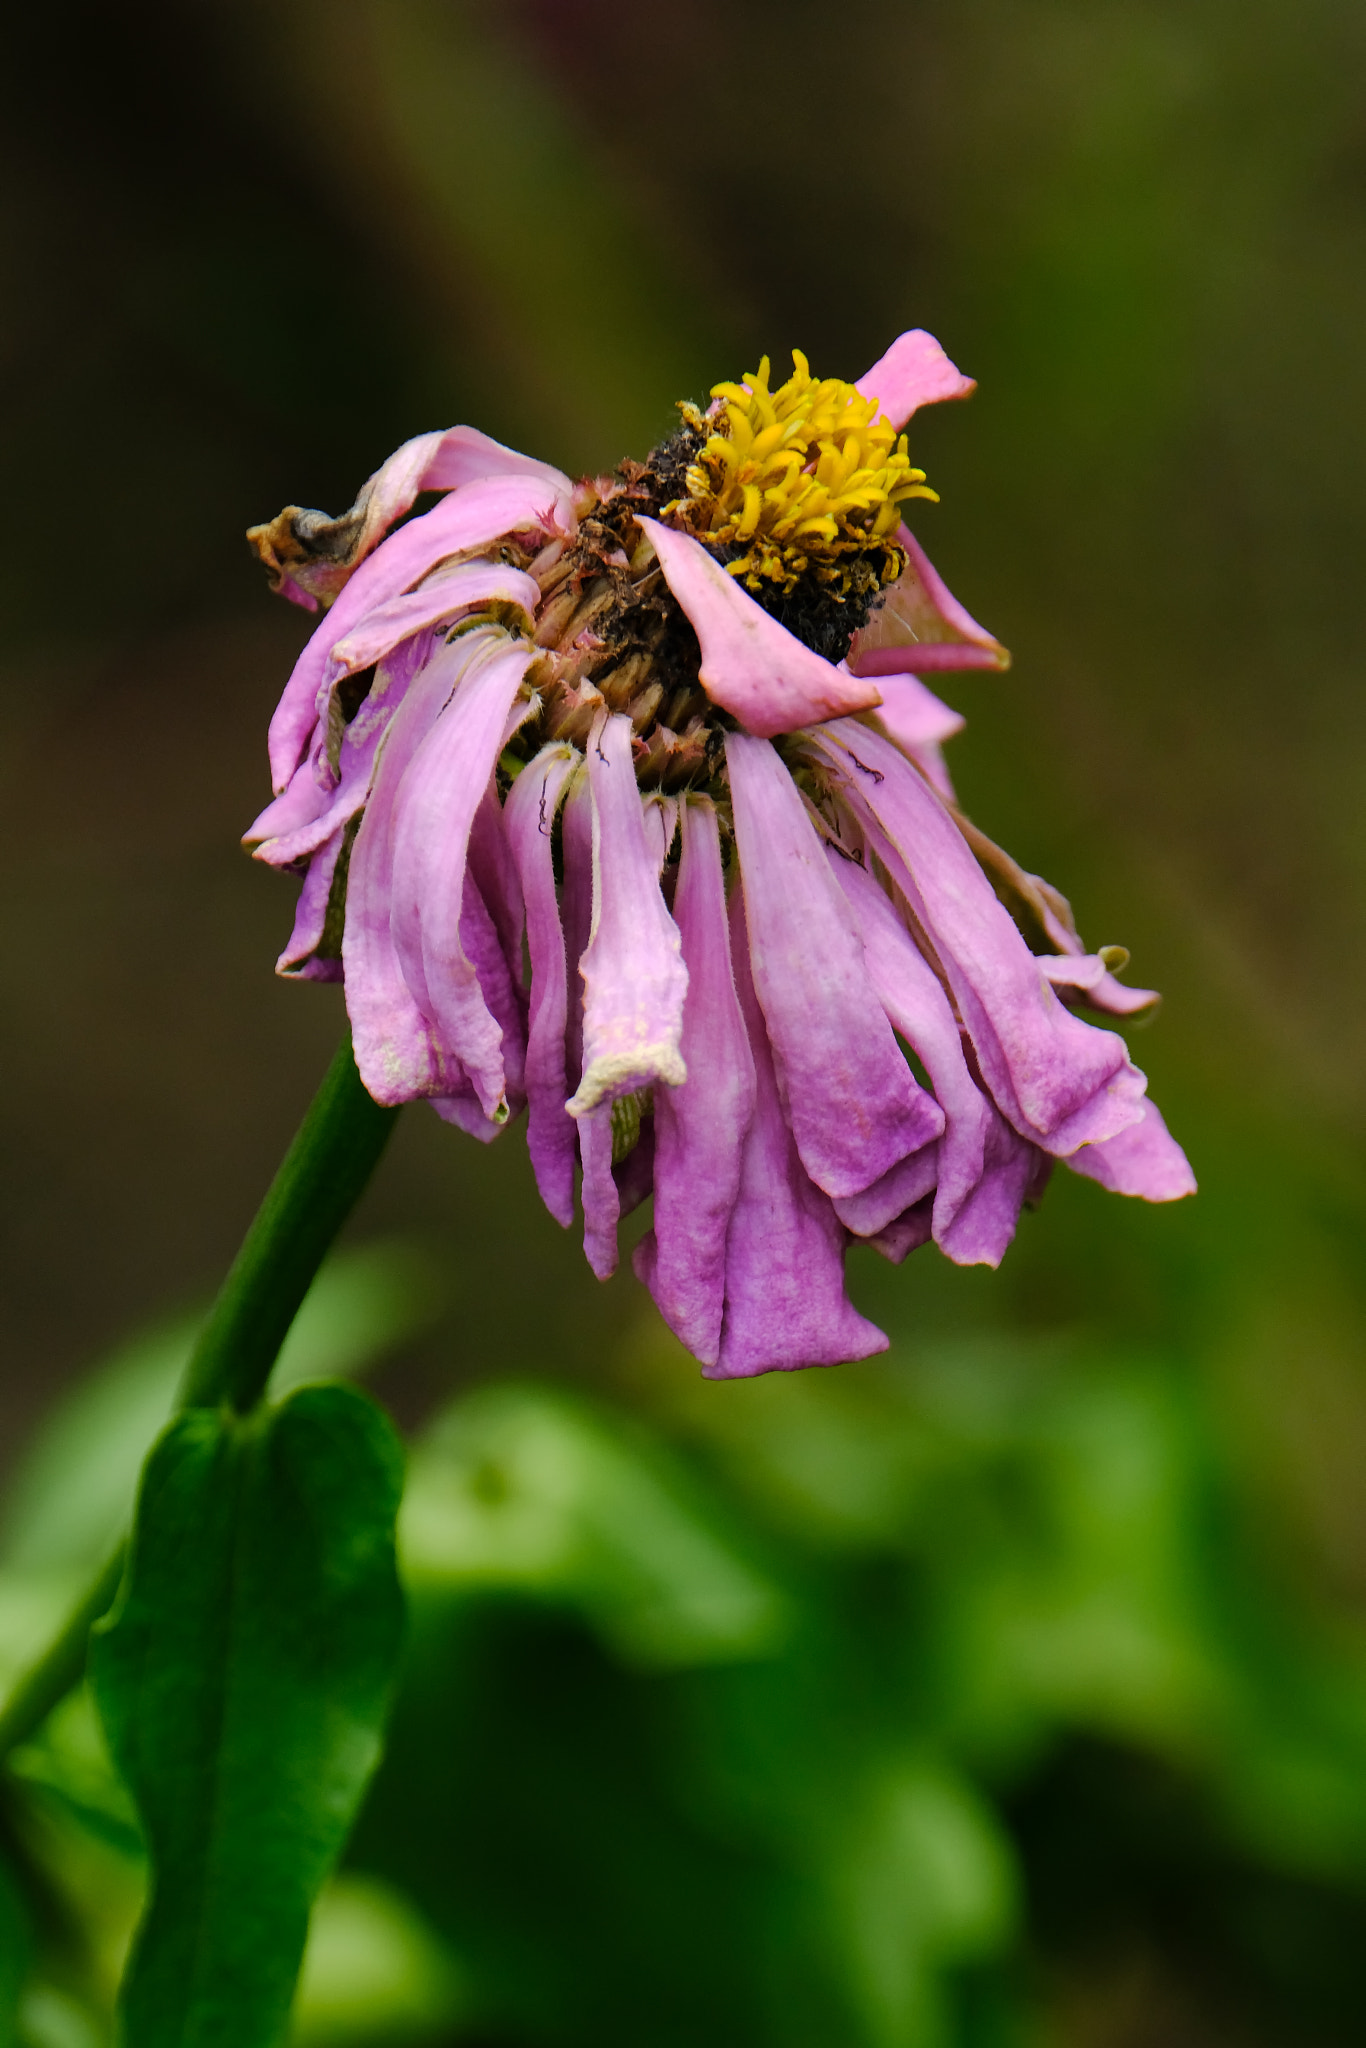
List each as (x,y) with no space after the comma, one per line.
(751,666)
(633,974)
(470,518)
(852,1100)
(700,1125)
(440,598)
(1061,1082)
(919,626)
(785,1303)
(299,961)
(398,1052)
(1144,1160)
(529,819)
(441,791)
(915,371)
(600,1193)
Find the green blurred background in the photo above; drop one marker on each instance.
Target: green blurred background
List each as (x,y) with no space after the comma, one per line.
(1011,1689)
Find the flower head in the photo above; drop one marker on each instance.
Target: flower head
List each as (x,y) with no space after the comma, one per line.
(661,739)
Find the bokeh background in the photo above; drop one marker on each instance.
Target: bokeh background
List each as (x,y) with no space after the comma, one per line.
(1012,1688)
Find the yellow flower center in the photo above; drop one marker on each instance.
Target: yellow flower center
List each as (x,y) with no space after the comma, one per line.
(804,480)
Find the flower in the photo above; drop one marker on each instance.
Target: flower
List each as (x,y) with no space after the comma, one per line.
(624,801)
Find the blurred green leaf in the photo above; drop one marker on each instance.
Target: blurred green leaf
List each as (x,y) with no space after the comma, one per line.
(75,1491)
(243,1680)
(525,1490)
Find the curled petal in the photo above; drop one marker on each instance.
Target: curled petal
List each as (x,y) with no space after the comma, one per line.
(1144,1160)
(700,1125)
(299,961)
(853,1102)
(442,596)
(785,1303)
(919,627)
(304,801)
(529,818)
(1088,976)
(1062,1083)
(310,556)
(915,371)
(751,666)
(398,1052)
(601,1195)
(467,519)
(441,790)
(633,973)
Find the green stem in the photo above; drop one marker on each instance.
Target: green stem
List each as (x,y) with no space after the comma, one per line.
(335,1151)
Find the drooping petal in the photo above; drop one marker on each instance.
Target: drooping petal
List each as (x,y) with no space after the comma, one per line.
(633,973)
(661,824)
(1061,1082)
(700,1126)
(311,555)
(356,750)
(1088,976)
(853,1102)
(1144,1160)
(600,1193)
(785,1303)
(441,791)
(910,992)
(440,598)
(304,801)
(483,948)
(471,518)
(915,720)
(915,371)
(919,627)
(529,819)
(751,666)
(494,872)
(299,961)
(576,905)
(398,1052)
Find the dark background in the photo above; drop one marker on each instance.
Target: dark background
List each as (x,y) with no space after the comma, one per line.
(246,250)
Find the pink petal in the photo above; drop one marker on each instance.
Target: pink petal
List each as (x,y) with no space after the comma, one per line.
(441,791)
(494,872)
(751,666)
(356,757)
(441,597)
(471,518)
(919,626)
(854,1105)
(1088,974)
(398,1052)
(914,719)
(1061,1082)
(785,1302)
(310,915)
(700,1125)
(529,819)
(633,973)
(304,800)
(601,1196)
(1144,1160)
(576,907)
(909,990)
(915,371)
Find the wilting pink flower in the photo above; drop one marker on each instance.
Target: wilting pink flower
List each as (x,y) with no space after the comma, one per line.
(624,802)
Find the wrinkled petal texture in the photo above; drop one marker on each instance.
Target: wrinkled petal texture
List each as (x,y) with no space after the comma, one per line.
(634,979)
(1062,1083)
(529,815)
(854,1105)
(700,1125)
(918,626)
(785,1305)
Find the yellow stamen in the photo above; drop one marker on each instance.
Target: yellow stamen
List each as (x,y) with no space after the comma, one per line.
(800,480)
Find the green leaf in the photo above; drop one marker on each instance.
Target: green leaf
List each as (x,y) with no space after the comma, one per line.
(243,1679)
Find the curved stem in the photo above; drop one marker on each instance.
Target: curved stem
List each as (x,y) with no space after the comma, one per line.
(335,1151)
